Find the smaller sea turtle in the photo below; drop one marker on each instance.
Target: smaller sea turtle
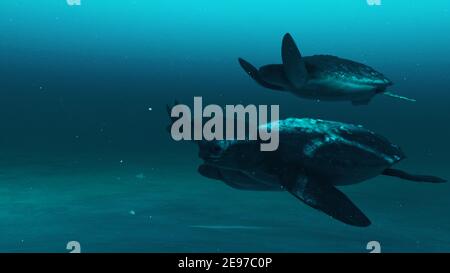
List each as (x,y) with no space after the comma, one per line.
(320,77)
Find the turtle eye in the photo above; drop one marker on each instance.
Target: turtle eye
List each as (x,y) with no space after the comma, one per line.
(215,149)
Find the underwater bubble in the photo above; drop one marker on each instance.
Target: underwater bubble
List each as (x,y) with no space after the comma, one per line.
(140,176)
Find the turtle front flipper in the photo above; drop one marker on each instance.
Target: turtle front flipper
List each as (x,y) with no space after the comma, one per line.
(293,63)
(328,199)
(210,172)
(235,179)
(413,177)
(254,74)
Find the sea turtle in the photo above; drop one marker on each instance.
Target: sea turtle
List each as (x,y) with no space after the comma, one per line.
(314,156)
(320,77)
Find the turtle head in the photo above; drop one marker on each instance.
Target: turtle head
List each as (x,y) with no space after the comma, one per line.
(211,151)
(232,154)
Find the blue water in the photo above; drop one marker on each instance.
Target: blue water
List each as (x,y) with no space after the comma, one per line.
(83,158)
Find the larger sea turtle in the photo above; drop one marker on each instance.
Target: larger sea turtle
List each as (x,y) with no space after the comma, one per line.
(314,156)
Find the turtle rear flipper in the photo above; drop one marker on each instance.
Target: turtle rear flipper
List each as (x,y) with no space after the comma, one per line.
(328,199)
(413,177)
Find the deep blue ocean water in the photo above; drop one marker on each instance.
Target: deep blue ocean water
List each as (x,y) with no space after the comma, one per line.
(83,158)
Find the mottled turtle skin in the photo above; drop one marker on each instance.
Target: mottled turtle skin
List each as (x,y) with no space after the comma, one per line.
(340,153)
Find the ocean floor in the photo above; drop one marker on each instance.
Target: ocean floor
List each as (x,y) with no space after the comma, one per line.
(135,204)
